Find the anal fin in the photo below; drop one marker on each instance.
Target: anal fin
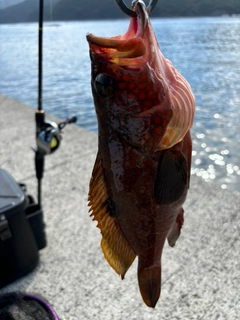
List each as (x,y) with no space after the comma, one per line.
(176,229)
(115,247)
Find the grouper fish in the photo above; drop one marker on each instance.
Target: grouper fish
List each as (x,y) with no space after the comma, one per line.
(140,179)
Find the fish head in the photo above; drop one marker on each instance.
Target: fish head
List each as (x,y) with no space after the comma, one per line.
(129,86)
(137,92)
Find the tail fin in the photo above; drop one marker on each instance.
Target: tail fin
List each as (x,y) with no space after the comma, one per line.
(149,281)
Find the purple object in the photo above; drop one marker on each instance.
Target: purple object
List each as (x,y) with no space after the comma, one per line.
(45,304)
(26,296)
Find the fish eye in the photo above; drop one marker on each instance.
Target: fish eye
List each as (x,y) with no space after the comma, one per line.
(104,85)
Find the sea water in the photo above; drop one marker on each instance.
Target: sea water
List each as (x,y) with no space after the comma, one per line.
(205,50)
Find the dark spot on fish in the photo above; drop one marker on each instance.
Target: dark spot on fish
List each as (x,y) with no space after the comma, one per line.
(104,85)
(112,207)
(172,177)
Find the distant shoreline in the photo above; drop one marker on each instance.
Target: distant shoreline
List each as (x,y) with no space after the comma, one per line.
(75,10)
(56,22)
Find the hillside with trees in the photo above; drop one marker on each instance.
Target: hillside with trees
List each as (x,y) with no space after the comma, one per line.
(65,10)
(186,8)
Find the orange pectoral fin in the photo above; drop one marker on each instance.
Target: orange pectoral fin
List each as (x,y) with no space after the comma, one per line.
(115,247)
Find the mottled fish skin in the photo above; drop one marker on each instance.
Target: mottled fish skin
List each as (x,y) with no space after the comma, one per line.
(141,176)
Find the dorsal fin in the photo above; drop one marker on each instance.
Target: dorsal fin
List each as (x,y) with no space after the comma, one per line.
(115,247)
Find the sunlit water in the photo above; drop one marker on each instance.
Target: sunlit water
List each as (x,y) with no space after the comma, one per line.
(205,50)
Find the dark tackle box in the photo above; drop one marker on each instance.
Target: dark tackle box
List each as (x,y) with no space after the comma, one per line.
(21,230)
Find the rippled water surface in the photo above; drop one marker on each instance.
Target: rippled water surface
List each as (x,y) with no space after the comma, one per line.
(205,50)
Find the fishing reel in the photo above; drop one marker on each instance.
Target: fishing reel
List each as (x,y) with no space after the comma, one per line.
(49,135)
(48,138)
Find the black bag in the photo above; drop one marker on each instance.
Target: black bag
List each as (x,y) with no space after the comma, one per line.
(22,232)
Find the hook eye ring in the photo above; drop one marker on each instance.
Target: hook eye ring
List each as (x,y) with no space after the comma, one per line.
(121,4)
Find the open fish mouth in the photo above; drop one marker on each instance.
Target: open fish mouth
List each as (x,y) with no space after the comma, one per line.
(131,45)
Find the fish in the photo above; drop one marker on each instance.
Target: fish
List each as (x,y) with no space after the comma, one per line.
(141,176)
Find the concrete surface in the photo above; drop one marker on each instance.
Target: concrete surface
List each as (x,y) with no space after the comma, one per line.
(201,275)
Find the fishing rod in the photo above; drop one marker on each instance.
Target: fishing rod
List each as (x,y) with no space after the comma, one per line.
(48,133)
(39,156)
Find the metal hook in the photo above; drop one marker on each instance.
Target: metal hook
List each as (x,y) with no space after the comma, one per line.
(152,4)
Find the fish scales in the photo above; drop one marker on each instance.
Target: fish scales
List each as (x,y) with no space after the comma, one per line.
(140,179)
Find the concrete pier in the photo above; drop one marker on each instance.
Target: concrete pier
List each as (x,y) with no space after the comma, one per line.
(200,276)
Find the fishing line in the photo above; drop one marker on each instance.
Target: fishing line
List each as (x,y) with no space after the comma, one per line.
(40,37)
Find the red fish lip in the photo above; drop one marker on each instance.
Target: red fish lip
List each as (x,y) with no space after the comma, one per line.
(129,45)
